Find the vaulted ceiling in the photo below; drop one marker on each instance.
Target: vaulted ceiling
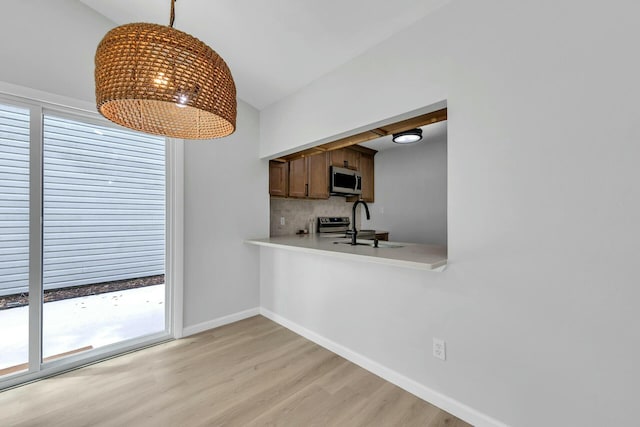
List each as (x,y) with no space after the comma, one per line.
(277,47)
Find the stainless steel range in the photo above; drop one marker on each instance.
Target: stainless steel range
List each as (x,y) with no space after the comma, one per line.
(333,226)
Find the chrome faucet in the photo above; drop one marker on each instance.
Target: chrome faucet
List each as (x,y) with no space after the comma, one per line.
(354,233)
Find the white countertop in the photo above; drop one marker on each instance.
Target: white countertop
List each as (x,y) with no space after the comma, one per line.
(412,255)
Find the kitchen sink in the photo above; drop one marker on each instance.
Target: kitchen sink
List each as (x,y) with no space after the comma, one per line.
(381,244)
(387,245)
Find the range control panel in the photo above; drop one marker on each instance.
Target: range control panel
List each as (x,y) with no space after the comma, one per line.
(333,224)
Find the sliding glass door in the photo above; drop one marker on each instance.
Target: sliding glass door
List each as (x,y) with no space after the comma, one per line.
(103,235)
(14,238)
(82,238)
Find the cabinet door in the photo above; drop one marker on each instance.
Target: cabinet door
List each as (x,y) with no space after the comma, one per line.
(367,172)
(336,158)
(298,178)
(345,158)
(278,178)
(353,158)
(318,181)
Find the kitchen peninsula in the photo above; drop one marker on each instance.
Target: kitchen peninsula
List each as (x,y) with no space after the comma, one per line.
(411,255)
(309,189)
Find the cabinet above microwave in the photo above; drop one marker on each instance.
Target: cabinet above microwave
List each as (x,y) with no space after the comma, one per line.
(309,176)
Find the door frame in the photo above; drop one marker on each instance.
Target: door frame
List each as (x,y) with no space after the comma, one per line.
(39,103)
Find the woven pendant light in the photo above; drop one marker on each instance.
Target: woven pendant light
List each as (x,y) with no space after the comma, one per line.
(156,79)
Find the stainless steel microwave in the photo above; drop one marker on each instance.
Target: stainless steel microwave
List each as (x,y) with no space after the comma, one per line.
(345,182)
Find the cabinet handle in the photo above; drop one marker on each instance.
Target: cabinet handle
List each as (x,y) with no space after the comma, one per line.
(306,190)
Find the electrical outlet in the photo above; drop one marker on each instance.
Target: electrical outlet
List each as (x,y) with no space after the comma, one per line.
(281,220)
(439,349)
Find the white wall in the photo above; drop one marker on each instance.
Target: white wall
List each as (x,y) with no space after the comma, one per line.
(539,303)
(226,202)
(50,46)
(411,192)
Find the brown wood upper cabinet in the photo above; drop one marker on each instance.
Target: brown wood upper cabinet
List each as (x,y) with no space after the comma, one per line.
(345,158)
(367,171)
(278,179)
(318,176)
(298,177)
(309,177)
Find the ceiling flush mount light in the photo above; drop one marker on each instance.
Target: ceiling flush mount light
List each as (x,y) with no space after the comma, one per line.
(408,136)
(156,79)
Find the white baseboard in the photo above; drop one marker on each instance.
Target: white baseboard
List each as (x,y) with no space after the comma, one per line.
(220,321)
(446,403)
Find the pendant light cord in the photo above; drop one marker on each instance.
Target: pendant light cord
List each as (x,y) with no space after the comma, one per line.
(173,13)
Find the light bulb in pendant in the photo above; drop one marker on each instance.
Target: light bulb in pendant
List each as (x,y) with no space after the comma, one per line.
(182,101)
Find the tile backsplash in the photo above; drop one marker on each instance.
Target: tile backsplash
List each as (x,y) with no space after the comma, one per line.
(298,212)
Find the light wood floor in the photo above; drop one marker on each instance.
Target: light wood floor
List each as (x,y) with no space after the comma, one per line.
(250,373)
